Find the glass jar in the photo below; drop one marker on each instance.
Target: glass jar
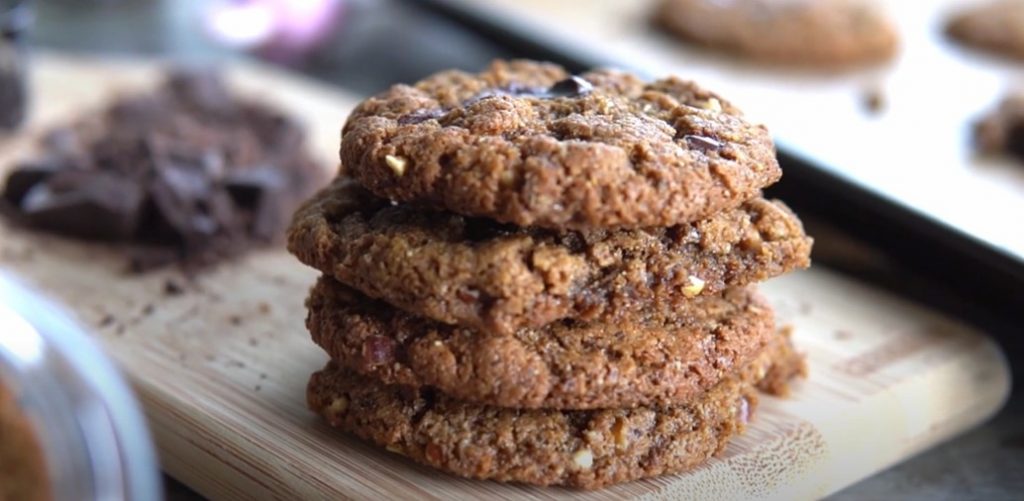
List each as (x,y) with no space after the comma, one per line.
(94,441)
(15,19)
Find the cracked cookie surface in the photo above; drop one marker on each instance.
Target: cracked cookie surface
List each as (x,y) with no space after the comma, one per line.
(525,143)
(498,278)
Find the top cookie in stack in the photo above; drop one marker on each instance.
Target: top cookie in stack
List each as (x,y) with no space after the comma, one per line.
(530,145)
(527,251)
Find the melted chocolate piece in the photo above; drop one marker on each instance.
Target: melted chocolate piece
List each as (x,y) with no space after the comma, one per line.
(480,229)
(420,116)
(573,86)
(570,87)
(702,143)
(517,89)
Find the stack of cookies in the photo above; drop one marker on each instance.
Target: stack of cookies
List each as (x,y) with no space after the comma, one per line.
(535,277)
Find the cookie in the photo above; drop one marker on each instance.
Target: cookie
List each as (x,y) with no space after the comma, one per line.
(495,278)
(828,33)
(23,474)
(644,360)
(584,449)
(993,26)
(528,144)
(1001,131)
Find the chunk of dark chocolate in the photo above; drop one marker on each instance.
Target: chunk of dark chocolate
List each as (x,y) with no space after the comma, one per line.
(94,205)
(202,88)
(187,174)
(263,191)
(248,187)
(27,175)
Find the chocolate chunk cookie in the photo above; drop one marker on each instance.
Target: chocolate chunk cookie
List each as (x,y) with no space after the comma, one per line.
(827,33)
(528,144)
(649,360)
(495,278)
(585,449)
(994,26)
(1002,129)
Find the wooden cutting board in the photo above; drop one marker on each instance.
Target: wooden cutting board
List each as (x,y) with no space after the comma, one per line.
(221,369)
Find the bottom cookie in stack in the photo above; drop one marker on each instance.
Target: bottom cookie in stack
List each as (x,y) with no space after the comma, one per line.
(665,394)
(585,449)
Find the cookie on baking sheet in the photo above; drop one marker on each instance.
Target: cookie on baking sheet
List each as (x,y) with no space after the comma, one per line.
(528,144)
(995,26)
(1001,130)
(565,365)
(496,278)
(585,449)
(829,33)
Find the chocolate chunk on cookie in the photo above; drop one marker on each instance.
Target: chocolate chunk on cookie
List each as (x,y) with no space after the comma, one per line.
(829,33)
(497,278)
(528,144)
(643,360)
(584,449)
(993,26)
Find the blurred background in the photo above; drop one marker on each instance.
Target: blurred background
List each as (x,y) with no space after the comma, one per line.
(862,224)
(360,45)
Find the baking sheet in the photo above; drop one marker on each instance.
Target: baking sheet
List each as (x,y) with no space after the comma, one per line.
(916,152)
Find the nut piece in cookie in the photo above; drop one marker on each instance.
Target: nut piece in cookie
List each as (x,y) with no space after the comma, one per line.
(528,144)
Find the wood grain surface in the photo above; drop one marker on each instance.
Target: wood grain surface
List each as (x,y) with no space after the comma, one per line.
(221,368)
